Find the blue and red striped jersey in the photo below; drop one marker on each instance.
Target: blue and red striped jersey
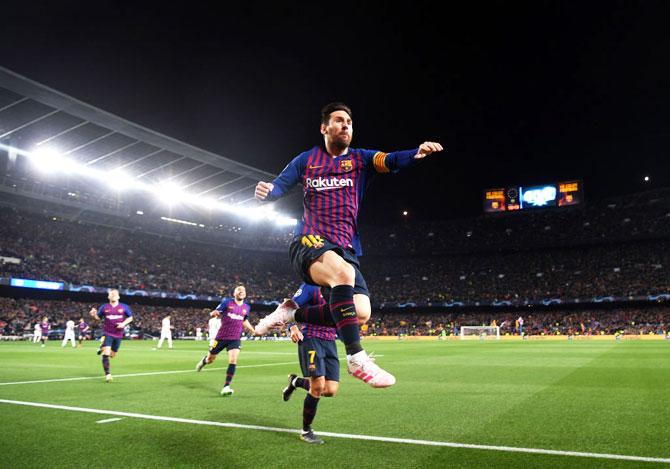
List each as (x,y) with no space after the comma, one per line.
(310,295)
(112,316)
(333,188)
(232,319)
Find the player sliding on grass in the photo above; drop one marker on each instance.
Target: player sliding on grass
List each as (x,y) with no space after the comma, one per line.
(116,317)
(325,246)
(319,363)
(234,315)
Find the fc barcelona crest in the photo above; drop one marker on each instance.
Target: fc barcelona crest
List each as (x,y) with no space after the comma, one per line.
(346,165)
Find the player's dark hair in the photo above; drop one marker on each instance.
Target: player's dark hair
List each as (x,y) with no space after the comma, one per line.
(329,108)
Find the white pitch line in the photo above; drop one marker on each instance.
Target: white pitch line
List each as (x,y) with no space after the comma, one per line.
(510,449)
(130,375)
(110,420)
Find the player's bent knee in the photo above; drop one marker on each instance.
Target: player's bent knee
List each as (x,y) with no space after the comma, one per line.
(331,388)
(317,386)
(344,275)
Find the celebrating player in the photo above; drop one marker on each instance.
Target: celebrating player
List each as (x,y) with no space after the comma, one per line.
(116,317)
(325,246)
(234,315)
(319,363)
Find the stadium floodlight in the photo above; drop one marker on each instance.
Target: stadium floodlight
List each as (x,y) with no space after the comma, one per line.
(118,180)
(209,203)
(168,192)
(48,160)
(255,214)
(286,221)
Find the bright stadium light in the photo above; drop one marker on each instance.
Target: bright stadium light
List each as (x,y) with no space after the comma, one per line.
(286,221)
(48,160)
(169,193)
(209,203)
(646,179)
(118,180)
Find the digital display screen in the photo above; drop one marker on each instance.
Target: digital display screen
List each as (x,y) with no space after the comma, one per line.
(41,284)
(538,196)
(494,200)
(513,198)
(569,193)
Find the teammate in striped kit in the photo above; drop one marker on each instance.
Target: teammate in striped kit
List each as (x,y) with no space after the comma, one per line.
(44,328)
(234,314)
(115,316)
(319,363)
(83,331)
(326,245)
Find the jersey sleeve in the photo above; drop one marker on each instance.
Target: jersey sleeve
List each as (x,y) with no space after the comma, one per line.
(223,305)
(381,162)
(127,311)
(288,178)
(303,295)
(101,312)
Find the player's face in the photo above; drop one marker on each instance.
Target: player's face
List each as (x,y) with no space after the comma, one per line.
(113,296)
(240,293)
(340,130)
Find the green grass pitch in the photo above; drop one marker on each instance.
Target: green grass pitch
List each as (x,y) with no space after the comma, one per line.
(584,396)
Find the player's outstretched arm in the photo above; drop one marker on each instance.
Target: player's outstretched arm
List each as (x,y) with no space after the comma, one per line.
(426,148)
(263,189)
(282,184)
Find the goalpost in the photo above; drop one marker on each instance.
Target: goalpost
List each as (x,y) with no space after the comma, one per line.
(480,332)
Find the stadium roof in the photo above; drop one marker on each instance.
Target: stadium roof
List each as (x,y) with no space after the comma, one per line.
(35,118)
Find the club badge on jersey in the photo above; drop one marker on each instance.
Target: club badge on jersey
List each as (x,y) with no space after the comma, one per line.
(312,241)
(346,165)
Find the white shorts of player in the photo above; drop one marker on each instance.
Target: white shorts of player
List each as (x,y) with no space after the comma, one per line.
(165,335)
(69,335)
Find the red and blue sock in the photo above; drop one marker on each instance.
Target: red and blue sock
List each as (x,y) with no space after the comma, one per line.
(230,372)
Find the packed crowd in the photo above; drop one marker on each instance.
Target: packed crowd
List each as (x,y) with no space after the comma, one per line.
(621,270)
(627,218)
(18,317)
(655,320)
(616,249)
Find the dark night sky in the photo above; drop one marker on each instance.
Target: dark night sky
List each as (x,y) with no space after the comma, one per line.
(517,92)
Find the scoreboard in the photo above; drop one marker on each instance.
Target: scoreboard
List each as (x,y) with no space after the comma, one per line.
(511,199)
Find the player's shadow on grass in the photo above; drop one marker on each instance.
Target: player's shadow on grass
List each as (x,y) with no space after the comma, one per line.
(249,419)
(197,385)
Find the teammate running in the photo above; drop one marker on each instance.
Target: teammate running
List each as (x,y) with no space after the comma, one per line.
(234,314)
(116,317)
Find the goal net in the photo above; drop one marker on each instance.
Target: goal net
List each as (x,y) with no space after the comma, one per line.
(480,332)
